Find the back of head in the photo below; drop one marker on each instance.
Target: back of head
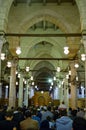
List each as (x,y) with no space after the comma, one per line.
(49,108)
(44,124)
(28,113)
(79,123)
(9,113)
(63,112)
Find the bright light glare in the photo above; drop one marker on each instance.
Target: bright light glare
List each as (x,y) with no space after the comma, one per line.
(50,80)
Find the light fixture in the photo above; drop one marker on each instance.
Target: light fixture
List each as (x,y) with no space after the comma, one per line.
(67,76)
(35,86)
(32,83)
(16,83)
(31,78)
(52,83)
(83,57)
(50,87)
(76,65)
(9,64)
(42,92)
(69,72)
(66,51)
(77,78)
(16,72)
(18,75)
(49,80)
(7,86)
(58,69)
(2,56)
(54,78)
(27,69)
(25,82)
(18,50)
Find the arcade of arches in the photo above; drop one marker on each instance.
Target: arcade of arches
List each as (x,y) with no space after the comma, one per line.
(42,73)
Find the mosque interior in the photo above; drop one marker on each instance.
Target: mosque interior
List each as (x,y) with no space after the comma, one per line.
(44,50)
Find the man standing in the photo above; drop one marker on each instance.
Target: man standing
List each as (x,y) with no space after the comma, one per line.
(79,123)
(64,122)
(8,124)
(28,123)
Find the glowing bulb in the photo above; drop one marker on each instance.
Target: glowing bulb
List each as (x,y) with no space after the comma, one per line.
(76,65)
(83,58)
(54,78)
(27,69)
(67,76)
(2,56)
(18,75)
(58,69)
(69,72)
(8,64)
(31,77)
(18,50)
(42,92)
(32,83)
(66,51)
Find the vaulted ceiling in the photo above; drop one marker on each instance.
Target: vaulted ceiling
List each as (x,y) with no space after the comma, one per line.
(44,53)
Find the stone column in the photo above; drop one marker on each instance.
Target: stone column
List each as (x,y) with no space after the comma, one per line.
(73,87)
(31,92)
(1,44)
(20,99)
(56,92)
(26,95)
(61,89)
(84,42)
(12,89)
(0,90)
(66,99)
(6,92)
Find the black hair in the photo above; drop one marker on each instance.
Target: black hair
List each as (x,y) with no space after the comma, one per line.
(28,113)
(63,112)
(79,123)
(9,113)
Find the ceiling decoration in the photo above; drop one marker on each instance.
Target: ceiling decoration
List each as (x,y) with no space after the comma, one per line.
(43,51)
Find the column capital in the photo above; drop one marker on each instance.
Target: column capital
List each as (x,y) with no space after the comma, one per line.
(2,40)
(14,62)
(84,38)
(72,64)
(73,72)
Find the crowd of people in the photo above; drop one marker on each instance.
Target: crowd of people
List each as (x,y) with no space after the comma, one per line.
(42,118)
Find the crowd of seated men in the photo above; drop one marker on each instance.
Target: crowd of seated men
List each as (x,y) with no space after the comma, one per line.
(42,118)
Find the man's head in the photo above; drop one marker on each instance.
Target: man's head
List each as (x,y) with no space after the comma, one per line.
(79,123)
(9,115)
(28,114)
(63,112)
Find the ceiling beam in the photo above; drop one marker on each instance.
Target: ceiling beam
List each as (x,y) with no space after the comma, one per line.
(46,59)
(43,35)
(60,71)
